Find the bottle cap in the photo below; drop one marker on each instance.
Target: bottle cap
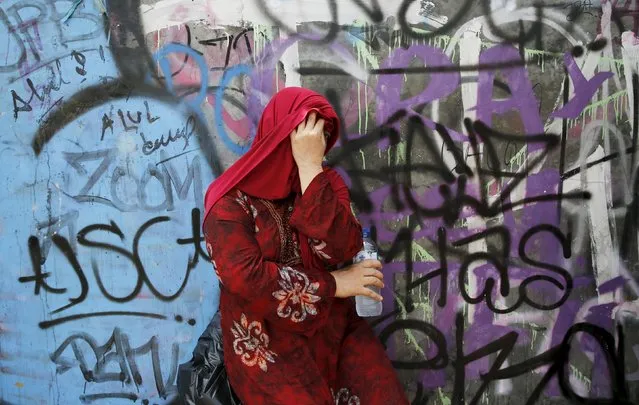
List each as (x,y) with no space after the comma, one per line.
(366,232)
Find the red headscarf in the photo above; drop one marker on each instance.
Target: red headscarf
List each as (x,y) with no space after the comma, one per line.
(268,169)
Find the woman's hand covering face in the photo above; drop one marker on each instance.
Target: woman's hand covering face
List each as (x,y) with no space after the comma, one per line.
(308,142)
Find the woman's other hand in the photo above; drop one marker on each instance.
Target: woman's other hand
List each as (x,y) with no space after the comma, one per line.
(308,143)
(354,279)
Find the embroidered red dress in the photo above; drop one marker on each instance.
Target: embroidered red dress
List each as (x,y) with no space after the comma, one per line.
(287,339)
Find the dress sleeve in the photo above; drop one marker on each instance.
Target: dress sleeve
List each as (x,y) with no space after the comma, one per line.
(288,297)
(324,214)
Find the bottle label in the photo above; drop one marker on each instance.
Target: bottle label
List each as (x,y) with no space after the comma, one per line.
(364,255)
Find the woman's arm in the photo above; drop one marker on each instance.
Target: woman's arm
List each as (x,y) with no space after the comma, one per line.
(287,297)
(307,174)
(323,213)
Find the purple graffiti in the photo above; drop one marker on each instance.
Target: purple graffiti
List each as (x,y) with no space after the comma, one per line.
(584,89)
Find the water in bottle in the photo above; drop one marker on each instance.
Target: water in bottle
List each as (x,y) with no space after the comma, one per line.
(367,306)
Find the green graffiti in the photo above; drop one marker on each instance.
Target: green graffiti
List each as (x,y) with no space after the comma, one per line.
(262,35)
(618,100)
(541,55)
(400,153)
(519,158)
(574,371)
(420,254)
(410,338)
(613,63)
(365,58)
(443,397)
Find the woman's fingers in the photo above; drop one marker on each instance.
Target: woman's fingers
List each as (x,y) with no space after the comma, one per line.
(310,120)
(311,123)
(318,128)
(302,125)
(374,273)
(374,281)
(367,292)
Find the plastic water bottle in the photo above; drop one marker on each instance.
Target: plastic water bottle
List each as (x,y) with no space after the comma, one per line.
(367,306)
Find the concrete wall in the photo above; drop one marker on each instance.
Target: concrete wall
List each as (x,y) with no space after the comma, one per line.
(495,160)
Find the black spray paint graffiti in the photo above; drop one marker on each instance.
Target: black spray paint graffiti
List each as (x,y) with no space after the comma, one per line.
(130,123)
(449,211)
(116,351)
(44,93)
(238,45)
(137,77)
(231,44)
(416,31)
(558,358)
(452,202)
(87,237)
(561,278)
(183,135)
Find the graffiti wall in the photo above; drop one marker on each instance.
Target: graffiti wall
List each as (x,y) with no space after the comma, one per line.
(491,145)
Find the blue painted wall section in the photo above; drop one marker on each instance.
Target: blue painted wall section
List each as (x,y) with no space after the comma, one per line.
(104,287)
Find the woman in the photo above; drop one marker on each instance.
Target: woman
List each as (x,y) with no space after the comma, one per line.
(276,223)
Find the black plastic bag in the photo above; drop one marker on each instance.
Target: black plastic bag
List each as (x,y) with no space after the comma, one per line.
(203,379)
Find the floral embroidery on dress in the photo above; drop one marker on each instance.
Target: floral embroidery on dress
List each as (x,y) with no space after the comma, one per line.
(248,207)
(318,248)
(297,295)
(345,397)
(251,344)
